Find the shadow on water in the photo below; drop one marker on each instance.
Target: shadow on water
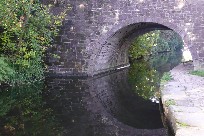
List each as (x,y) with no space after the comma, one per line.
(23,112)
(118,104)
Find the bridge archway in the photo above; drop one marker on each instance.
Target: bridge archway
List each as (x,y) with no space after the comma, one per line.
(111,49)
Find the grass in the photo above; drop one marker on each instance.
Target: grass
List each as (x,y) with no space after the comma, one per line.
(197,73)
(170,102)
(181,124)
(166,77)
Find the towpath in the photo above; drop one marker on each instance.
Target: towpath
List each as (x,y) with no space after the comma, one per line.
(183,100)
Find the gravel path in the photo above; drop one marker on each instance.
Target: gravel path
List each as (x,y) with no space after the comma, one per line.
(183,100)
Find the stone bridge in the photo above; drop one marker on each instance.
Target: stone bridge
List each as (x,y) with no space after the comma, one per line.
(96,34)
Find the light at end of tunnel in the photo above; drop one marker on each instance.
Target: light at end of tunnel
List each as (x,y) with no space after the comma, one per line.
(186,55)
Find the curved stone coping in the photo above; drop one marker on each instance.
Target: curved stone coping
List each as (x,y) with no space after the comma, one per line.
(183,102)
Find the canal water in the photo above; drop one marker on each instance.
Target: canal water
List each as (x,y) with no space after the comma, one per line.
(119,103)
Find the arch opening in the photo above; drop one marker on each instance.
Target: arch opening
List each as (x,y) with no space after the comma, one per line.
(113,51)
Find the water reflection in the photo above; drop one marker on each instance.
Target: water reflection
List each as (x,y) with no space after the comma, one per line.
(23,112)
(108,105)
(103,106)
(164,62)
(145,75)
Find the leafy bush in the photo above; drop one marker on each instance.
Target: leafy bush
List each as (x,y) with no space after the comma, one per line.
(155,42)
(143,44)
(5,70)
(27,30)
(166,77)
(33,73)
(198,73)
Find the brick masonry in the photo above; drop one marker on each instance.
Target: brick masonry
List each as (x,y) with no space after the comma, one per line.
(96,34)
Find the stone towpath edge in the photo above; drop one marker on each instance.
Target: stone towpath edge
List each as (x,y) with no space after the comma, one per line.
(183,102)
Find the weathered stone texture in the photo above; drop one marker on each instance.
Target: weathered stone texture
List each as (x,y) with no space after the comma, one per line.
(95,34)
(183,102)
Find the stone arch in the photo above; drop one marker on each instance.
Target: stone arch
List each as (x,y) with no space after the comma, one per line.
(102,41)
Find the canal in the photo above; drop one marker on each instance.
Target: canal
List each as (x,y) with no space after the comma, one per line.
(118,103)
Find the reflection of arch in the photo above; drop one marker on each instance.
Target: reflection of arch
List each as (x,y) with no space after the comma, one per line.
(129,24)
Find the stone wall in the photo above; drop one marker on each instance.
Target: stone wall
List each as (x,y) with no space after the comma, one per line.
(94,34)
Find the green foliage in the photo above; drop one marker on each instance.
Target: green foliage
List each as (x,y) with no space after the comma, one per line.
(164,62)
(144,79)
(161,46)
(5,70)
(168,41)
(28,75)
(145,75)
(142,45)
(170,102)
(198,73)
(182,124)
(155,42)
(173,39)
(27,30)
(166,77)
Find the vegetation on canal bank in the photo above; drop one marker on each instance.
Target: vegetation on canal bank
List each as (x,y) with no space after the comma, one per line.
(145,76)
(27,29)
(155,42)
(198,73)
(161,51)
(170,102)
(166,77)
